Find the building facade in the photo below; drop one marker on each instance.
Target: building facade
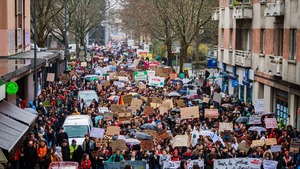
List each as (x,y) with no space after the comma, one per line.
(14,27)
(257,53)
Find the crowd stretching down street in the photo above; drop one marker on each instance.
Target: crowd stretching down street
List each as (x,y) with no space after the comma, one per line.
(147,116)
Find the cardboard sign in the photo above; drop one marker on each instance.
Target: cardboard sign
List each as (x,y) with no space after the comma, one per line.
(271,123)
(169,103)
(152,133)
(136,104)
(101,143)
(294,146)
(99,87)
(217,97)
(275,148)
(259,105)
(112,130)
(97,132)
(257,143)
(163,110)
(118,108)
(211,113)
(181,141)
(189,112)
(147,145)
(142,86)
(163,135)
(106,83)
(179,103)
(118,144)
(255,119)
(271,141)
(63,78)
(148,110)
(127,99)
(83,64)
(244,146)
(154,105)
(50,77)
(225,126)
(173,76)
(206,100)
(156,100)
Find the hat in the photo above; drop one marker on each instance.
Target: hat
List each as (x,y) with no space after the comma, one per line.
(65,140)
(73,141)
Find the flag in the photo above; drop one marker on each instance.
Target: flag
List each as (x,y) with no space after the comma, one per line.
(195,136)
(121,100)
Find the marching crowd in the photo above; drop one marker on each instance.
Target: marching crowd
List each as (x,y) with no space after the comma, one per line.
(48,142)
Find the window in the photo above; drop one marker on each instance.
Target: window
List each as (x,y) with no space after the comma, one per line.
(20,6)
(230,39)
(222,38)
(278,42)
(262,41)
(293,42)
(19,37)
(230,2)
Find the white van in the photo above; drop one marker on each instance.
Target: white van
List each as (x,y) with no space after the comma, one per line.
(87,96)
(76,126)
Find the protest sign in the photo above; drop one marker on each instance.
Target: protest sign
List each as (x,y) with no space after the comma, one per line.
(244,146)
(122,78)
(118,144)
(271,123)
(50,77)
(257,143)
(106,83)
(99,87)
(97,132)
(137,164)
(156,81)
(205,133)
(63,78)
(142,86)
(206,100)
(225,126)
(294,146)
(83,64)
(112,130)
(151,72)
(270,164)
(169,103)
(181,141)
(148,110)
(255,119)
(275,148)
(156,100)
(107,116)
(259,105)
(237,163)
(180,103)
(176,164)
(118,108)
(173,76)
(119,84)
(101,143)
(189,112)
(199,82)
(271,141)
(127,99)
(163,135)
(217,97)
(163,110)
(72,72)
(211,113)
(147,145)
(140,76)
(136,104)
(154,105)
(152,133)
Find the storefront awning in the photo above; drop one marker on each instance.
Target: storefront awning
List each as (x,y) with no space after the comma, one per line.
(224,74)
(14,123)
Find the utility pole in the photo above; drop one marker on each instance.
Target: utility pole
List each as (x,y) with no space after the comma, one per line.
(35,55)
(66,37)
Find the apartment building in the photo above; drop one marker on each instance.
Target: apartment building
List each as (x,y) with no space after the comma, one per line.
(258,54)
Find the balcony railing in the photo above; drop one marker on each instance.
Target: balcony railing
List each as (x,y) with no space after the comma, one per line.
(275,65)
(275,8)
(242,11)
(243,58)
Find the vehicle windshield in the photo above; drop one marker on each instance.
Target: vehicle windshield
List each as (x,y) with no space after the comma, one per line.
(76,131)
(88,96)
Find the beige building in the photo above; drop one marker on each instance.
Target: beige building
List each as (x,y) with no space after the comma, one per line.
(258,53)
(14,26)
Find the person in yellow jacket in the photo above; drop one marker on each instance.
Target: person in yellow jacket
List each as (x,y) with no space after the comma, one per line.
(76,112)
(73,147)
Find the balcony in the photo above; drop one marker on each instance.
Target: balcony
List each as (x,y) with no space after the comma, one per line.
(216,15)
(243,58)
(242,11)
(275,65)
(274,9)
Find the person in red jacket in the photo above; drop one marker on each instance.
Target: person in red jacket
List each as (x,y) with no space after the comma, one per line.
(175,156)
(86,162)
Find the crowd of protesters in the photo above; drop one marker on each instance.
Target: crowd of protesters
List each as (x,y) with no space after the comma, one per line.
(48,142)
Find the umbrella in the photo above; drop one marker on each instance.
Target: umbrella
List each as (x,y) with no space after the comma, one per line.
(198,100)
(174,94)
(227,106)
(119,137)
(267,113)
(193,97)
(175,110)
(242,120)
(132,141)
(143,136)
(257,129)
(149,126)
(183,97)
(30,110)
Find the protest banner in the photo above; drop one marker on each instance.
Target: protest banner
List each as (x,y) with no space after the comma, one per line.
(271,141)
(270,164)
(148,110)
(271,123)
(217,97)
(101,143)
(118,144)
(189,112)
(181,141)
(127,99)
(147,144)
(275,148)
(50,77)
(156,81)
(97,132)
(137,164)
(173,76)
(237,163)
(257,143)
(225,126)
(176,164)
(294,146)
(211,113)
(259,105)
(179,103)
(163,135)
(244,146)
(156,100)
(112,130)
(255,119)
